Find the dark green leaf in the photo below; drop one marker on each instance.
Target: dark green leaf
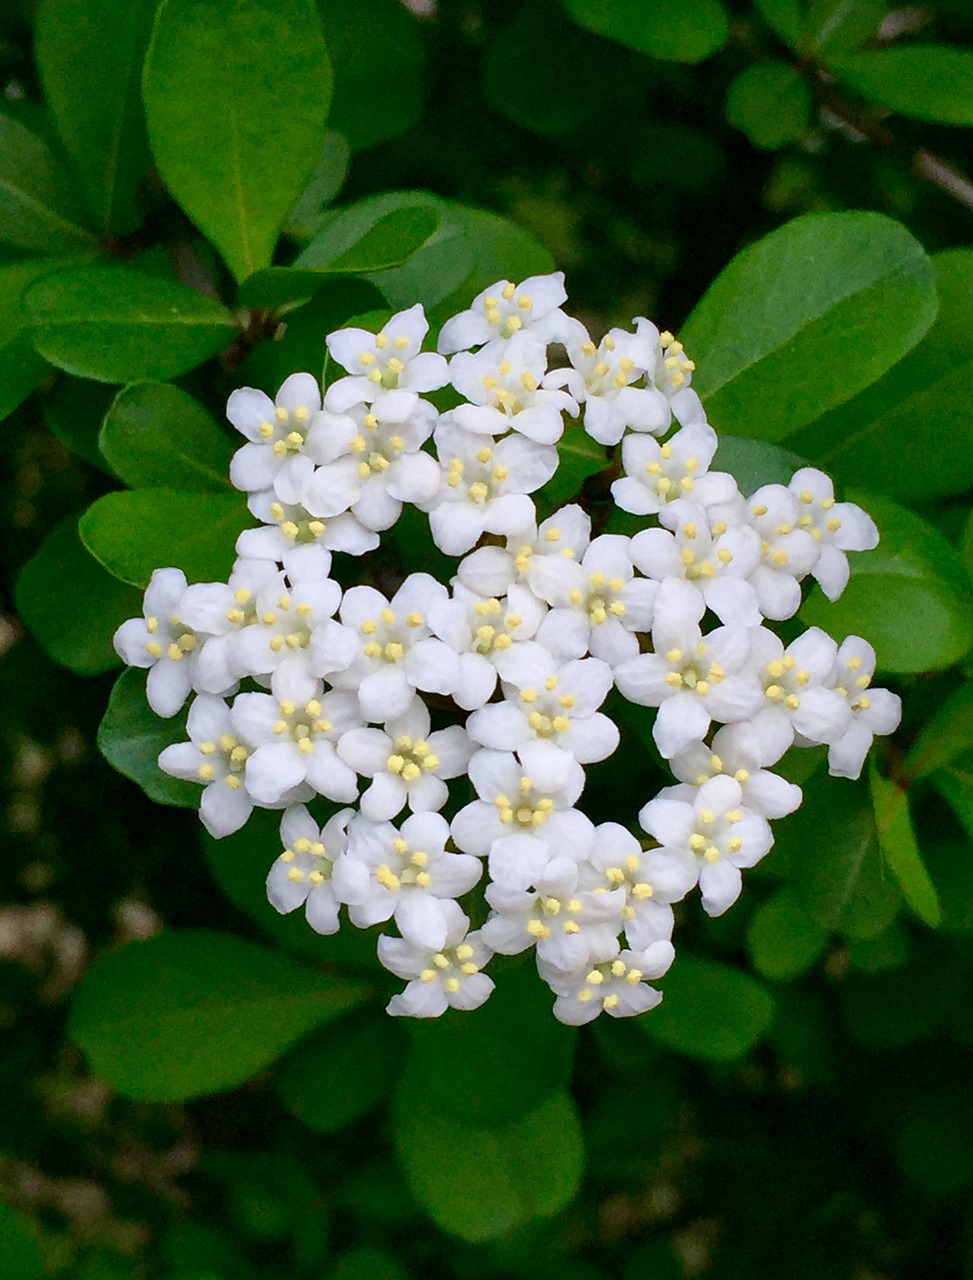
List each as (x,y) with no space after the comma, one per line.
(190,1013)
(75,409)
(928,82)
(341,1074)
(324,184)
(116,325)
(771,336)
(154,434)
(72,604)
(955,782)
(754,463)
(678,32)
(783,941)
(897,841)
(20,1258)
(133,534)
(236,96)
(949,733)
(710,1010)
(771,103)
(21,368)
(39,208)
(785,19)
(479,1184)
(131,737)
(911,598)
(90,54)
(836,26)
(579,457)
(935,1143)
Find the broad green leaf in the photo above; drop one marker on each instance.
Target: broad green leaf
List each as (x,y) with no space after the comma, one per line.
(74,409)
(772,336)
(20,1258)
(479,1184)
(191,1012)
(39,208)
(579,457)
(836,26)
(492,1069)
(236,97)
(902,416)
(925,81)
(710,1010)
(910,598)
(380,77)
(21,368)
(131,737)
(686,31)
(324,184)
(364,238)
(947,735)
(90,54)
(117,325)
(72,604)
(155,434)
(955,782)
(771,103)
(783,941)
(949,860)
(341,1073)
(900,848)
(754,463)
(785,19)
(133,534)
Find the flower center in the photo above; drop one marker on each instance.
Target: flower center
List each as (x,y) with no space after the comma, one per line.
(411,758)
(302,724)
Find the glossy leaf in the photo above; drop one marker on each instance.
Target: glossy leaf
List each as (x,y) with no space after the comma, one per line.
(910,598)
(785,19)
(783,941)
(191,1012)
(74,409)
(900,848)
(131,737)
(132,534)
(579,457)
(90,55)
(709,1010)
(39,208)
(217,72)
(955,782)
(677,32)
(72,604)
(754,463)
(948,734)
(772,333)
(925,81)
(155,434)
(21,368)
(117,325)
(479,1184)
(771,103)
(324,184)
(836,26)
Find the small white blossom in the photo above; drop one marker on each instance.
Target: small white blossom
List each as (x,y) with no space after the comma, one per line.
(275,429)
(390,359)
(489,571)
(656,474)
(617,985)
(837,526)
(285,620)
(161,641)
(441,977)
(873,711)
(220,610)
(743,752)
(304,872)
(506,309)
(505,392)
(796,684)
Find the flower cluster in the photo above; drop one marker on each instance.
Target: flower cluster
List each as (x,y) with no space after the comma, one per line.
(302,690)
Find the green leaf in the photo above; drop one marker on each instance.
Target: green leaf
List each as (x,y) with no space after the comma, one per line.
(131,737)
(710,1010)
(771,336)
(324,184)
(754,463)
(900,848)
(117,325)
(342,1073)
(191,1012)
(133,534)
(686,31)
(783,941)
(39,208)
(785,19)
(20,1258)
(155,435)
(478,1184)
(236,96)
(493,1068)
(955,783)
(72,604)
(903,414)
(364,238)
(836,26)
(74,409)
(578,458)
(771,103)
(90,54)
(927,82)
(21,368)
(947,735)
(380,77)
(910,598)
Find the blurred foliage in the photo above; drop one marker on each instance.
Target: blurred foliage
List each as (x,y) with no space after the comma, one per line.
(802,1103)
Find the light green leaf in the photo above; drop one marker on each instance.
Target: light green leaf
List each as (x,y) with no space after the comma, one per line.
(236,96)
(90,54)
(897,841)
(132,534)
(771,336)
(20,1258)
(910,598)
(191,1012)
(479,1184)
(579,457)
(925,81)
(155,434)
(39,208)
(21,368)
(771,103)
(710,1010)
(836,26)
(117,325)
(947,735)
(72,604)
(754,463)
(324,184)
(783,941)
(675,30)
(131,737)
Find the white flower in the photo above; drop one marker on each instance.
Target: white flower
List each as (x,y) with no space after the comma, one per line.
(405,874)
(221,610)
(671,370)
(441,976)
(161,641)
(656,474)
(796,683)
(489,571)
(743,752)
(484,486)
(289,524)
(616,985)
(392,358)
(276,429)
(407,764)
(304,872)
(505,309)
(873,711)
(397,653)
(837,526)
(283,626)
(505,392)
(717,829)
